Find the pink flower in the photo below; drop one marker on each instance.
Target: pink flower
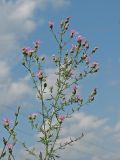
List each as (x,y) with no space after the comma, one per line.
(28,51)
(78,98)
(39,74)
(61,118)
(6,122)
(79,39)
(37,44)
(51,24)
(72,33)
(82,40)
(9,146)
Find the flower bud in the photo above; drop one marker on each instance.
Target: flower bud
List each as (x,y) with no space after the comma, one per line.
(51,24)
(39,74)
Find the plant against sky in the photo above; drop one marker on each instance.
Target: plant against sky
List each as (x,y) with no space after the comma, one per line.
(73,62)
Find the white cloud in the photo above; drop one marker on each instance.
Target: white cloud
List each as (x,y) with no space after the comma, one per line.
(13,91)
(4,73)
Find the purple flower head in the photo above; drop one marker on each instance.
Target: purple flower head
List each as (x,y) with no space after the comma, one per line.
(37,43)
(73,33)
(39,74)
(6,122)
(82,40)
(9,146)
(51,24)
(78,98)
(79,39)
(61,118)
(27,51)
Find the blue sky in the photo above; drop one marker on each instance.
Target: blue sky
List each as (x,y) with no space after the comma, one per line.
(21,23)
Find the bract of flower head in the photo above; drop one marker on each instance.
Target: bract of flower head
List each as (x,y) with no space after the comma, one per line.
(37,43)
(39,74)
(67,19)
(94,92)
(6,122)
(84,56)
(9,146)
(95,65)
(86,45)
(51,24)
(72,48)
(61,118)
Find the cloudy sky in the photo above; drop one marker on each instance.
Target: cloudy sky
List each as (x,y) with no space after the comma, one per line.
(24,21)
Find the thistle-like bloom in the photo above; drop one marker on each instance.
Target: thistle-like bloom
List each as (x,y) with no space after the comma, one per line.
(78,98)
(37,44)
(72,33)
(39,74)
(79,39)
(82,40)
(6,122)
(61,118)
(51,24)
(27,51)
(9,146)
